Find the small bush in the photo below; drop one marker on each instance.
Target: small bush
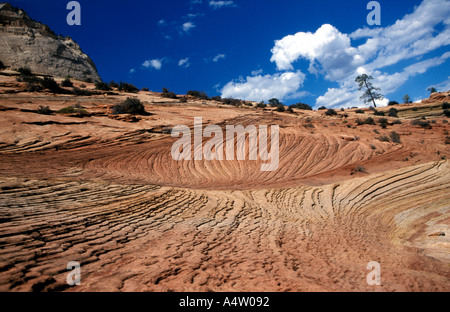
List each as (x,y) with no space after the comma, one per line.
(50,84)
(1,65)
(359,111)
(25,71)
(378,113)
(197,94)
(322,108)
(113,85)
(233,102)
(168,94)
(261,105)
(397,122)
(369,121)
(445,105)
(130,106)
(358,169)
(145,89)
(44,110)
(395,137)
(88,80)
(281,108)
(67,83)
(217,98)
(383,122)
(274,102)
(183,100)
(422,123)
(128,88)
(393,112)
(447,113)
(81,92)
(301,106)
(360,122)
(78,110)
(330,112)
(383,138)
(103,86)
(373,147)
(290,110)
(415,109)
(391,103)
(447,140)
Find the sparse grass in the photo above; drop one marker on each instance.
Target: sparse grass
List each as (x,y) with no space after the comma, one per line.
(77,110)
(383,138)
(131,106)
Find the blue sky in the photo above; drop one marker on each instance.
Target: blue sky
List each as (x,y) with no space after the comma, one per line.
(294,50)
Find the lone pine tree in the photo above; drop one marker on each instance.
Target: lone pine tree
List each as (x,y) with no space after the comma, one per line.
(370,95)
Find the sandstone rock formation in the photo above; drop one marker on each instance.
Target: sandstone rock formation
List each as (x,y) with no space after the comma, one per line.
(27,43)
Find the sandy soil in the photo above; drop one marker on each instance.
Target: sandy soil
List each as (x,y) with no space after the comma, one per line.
(106,192)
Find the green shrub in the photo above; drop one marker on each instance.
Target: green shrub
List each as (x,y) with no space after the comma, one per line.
(369,121)
(233,102)
(216,98)
(330,112)
(113,85)
(145,89)
(274,102)
(67,83)
(322,108)
(397,122)
(281,108)
(393,112)
(391,103)
(378,113)
(261,105)
(168,94)
(130,106)
(383,122)
(102,86)
(359,111)
(81,92)
(301,106)
(25,71)
(197,94)
(1,65)
(51,85)
(447,113)
(128,88)
(445,105)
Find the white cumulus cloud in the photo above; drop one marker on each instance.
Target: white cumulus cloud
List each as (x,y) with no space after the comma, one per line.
(218,57)
(184,63)
(220,4)
(155,63)
(262,88)
(188,26)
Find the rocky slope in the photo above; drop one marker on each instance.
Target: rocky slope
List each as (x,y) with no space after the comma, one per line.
(105,192)
(27,43)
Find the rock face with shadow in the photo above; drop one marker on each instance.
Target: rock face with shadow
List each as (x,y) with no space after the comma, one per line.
(27,43)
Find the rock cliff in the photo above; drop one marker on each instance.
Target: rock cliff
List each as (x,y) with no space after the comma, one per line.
(27,43)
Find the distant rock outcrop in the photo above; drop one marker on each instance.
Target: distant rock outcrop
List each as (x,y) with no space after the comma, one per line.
(27,43)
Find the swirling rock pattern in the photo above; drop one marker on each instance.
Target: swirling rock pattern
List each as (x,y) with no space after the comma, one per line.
(108,195)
